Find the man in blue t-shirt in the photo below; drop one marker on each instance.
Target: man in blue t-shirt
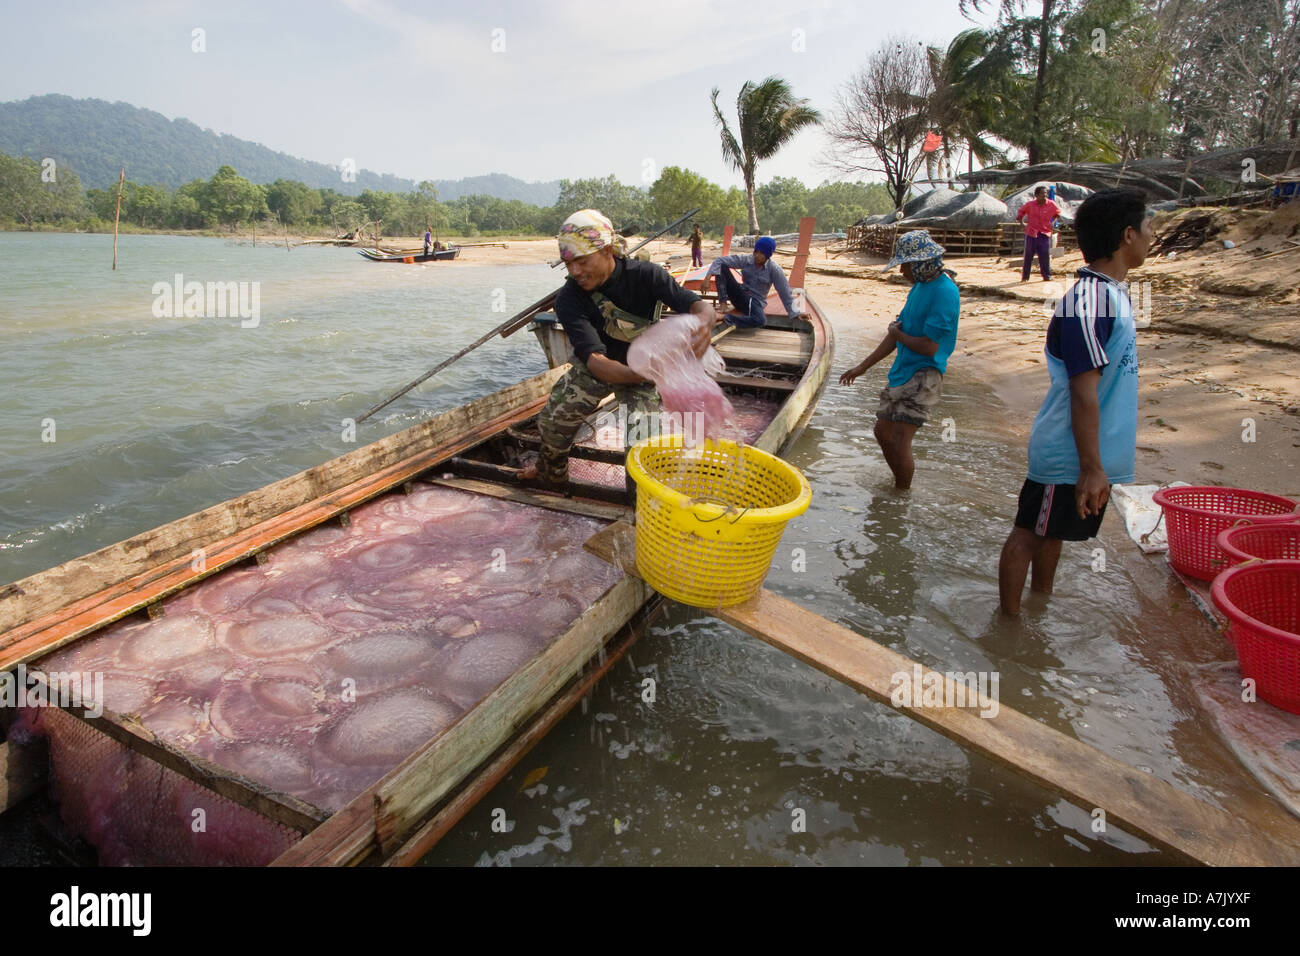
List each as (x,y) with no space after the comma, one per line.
(921,338)
(1085,436)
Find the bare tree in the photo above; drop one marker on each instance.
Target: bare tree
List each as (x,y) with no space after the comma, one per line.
(1235,80)
(880,116)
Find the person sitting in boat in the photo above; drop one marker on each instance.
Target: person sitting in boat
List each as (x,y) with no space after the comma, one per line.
(749,298)
(606,302)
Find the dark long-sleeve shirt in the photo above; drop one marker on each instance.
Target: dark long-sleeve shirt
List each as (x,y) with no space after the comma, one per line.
(634,286)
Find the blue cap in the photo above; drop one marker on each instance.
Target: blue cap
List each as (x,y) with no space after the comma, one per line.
(765,245)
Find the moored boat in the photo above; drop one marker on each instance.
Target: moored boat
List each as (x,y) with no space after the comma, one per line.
(374,255)
(336,666)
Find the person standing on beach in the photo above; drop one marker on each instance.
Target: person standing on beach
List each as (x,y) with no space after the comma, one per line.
(1085,436)
(922,339)
(749,297)
(606,302)
(1039,213)
(697,248)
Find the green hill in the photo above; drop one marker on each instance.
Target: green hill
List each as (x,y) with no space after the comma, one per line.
(96,138)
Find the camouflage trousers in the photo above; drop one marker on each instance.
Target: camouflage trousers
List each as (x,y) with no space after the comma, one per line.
(574,397)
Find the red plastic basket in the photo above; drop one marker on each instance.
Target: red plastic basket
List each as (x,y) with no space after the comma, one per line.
(1262,603)
(1194,516)
(1278,541)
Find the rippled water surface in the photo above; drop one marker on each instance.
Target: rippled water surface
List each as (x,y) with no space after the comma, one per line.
(155,418)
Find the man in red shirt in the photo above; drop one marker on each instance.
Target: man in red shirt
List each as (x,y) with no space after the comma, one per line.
(1038,215)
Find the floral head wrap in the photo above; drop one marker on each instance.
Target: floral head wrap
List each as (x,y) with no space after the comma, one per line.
(585,232)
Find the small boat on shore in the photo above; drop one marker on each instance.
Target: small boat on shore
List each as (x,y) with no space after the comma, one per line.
(438,255)
(334,668)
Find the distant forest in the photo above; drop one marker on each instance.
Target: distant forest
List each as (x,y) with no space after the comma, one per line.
(95,139)
(35,195)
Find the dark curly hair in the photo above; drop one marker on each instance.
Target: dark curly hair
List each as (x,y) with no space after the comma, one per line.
(1102,218)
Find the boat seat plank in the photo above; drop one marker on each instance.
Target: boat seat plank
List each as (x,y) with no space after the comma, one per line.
(769,346)
(757,381)
(576,506)
(1138,802)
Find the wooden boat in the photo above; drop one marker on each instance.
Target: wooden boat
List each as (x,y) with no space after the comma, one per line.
(103,602)
(374,255)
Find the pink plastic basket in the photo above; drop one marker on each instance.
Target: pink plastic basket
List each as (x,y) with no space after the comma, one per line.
(1278,541)
(1262,603)
(1195,515)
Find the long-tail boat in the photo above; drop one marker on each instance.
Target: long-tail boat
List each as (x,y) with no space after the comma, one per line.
(374,255)
(334,668)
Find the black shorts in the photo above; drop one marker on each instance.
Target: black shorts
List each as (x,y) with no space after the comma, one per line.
(1049,512)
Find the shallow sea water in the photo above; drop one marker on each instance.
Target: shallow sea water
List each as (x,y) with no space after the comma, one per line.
(157,418)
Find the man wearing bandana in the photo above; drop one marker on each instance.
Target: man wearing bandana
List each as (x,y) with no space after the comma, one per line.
(606,302)
(921,340)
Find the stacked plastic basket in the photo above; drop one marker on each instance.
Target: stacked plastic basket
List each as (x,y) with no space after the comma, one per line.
(1248,544)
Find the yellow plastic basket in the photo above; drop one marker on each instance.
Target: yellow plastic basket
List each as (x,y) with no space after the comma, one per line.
(709,518)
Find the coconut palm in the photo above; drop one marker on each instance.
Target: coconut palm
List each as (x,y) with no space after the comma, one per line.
(769,116)
(966,96)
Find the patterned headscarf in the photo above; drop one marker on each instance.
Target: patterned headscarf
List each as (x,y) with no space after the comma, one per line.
(929,269)
(585,232)
(925,255)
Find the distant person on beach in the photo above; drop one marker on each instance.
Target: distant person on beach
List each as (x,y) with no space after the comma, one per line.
(749,297)
(921,340)
(1085,436)
(606,302)
(1038,213)
(697,248)
(428,239)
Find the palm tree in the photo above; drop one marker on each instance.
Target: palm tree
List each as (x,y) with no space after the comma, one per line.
(966,97)
(769,117)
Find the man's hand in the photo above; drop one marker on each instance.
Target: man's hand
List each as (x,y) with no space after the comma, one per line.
(701,338)
(848,377)
(1091,492)
(894,328)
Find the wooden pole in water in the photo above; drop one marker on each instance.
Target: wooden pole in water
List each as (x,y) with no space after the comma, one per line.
(121,181)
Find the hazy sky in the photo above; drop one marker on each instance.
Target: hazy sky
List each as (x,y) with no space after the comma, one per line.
(573,90)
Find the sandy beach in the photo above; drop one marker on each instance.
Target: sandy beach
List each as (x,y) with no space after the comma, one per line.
(1217,369)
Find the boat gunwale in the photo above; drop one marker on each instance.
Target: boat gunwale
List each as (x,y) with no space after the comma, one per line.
(389,820)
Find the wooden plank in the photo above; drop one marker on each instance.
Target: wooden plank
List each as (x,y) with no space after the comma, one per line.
(433,830)
(22,772)
(486,470)
(49,609)
(576,506)
(806,227)
(381,815)
(1138,802)
(757,381)
(768,346)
